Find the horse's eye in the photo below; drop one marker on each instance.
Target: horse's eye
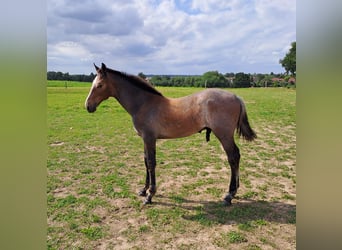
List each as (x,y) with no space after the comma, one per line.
(99,86)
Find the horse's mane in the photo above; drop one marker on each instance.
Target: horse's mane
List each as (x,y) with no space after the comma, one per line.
(136,81)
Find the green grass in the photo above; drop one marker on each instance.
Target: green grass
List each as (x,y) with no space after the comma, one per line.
(232,237)
(67,84)
(92,233)
(95,169)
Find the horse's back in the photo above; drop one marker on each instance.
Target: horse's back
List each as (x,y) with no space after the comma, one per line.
(219,98)
(210,100)
(219,93)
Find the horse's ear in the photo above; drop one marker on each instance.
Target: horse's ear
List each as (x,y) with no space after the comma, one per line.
(97,68)
(103,67)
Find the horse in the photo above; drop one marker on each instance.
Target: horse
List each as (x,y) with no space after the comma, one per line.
(156,117)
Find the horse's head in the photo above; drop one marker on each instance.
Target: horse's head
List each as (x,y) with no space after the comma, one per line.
(100,89)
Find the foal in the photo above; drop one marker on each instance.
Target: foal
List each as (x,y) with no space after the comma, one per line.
(157,117)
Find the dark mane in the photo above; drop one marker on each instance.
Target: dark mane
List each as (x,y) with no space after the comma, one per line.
(136,81)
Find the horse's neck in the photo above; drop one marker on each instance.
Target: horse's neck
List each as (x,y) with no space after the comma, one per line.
(130,97)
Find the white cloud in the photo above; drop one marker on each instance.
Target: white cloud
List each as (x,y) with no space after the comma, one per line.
(215,5)
(171,36)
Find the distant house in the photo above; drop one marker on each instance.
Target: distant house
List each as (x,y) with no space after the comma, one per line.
(292,80)
(276,79)
(230,79)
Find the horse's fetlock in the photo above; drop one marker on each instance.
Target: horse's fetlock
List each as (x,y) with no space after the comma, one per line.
(148,200)
(142,192)
(152,190)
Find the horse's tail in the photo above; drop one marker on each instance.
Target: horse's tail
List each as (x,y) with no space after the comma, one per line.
(243,128)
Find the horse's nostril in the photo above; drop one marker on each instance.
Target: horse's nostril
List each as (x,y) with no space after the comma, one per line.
(91,109)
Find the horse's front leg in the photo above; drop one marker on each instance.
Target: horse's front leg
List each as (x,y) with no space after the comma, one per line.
(150,162)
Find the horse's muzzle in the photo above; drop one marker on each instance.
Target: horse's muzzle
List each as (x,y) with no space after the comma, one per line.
(91,108)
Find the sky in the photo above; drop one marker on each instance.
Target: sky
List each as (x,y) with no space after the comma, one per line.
(169,36)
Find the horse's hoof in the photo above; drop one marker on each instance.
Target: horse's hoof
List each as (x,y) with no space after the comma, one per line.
(227,203)
(142,193)
(147,202)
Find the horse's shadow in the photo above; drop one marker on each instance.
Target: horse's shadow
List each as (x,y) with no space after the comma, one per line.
(241,211)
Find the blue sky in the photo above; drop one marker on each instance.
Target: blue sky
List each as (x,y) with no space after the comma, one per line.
(170,36)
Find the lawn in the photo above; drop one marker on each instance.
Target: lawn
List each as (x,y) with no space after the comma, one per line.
(95,169)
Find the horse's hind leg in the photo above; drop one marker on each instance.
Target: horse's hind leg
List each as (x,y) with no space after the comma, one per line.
(142,192)
(233,154)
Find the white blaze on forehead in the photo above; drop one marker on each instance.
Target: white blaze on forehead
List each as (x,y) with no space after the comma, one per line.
(92,86)
(94,81)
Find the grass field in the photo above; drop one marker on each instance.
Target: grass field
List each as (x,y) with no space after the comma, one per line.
(95,169)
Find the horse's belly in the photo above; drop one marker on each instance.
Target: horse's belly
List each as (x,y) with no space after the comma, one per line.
(178,130)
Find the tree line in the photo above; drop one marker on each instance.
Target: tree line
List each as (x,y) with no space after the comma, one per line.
(214,79)
(52,75)
(210,79)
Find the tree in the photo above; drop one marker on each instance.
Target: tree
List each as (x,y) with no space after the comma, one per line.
(142,75)
(214,79)
(289,61)
(242,80)
(231,74)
